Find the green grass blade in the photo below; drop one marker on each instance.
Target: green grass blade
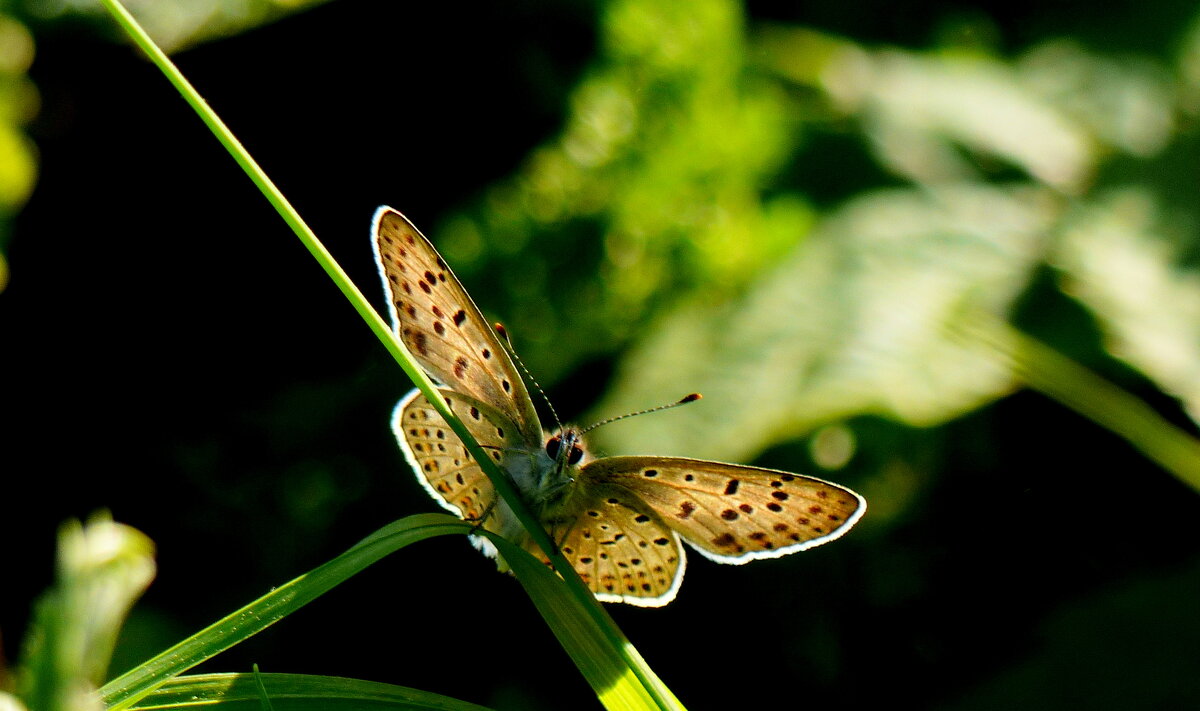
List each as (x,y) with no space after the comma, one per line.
(265,185)
(274,606)
(575,587)
(264,699)
(381,330)
(293,692)
(620,677)
(1054,375)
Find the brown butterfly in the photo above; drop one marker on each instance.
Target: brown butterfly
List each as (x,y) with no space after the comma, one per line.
(618,520)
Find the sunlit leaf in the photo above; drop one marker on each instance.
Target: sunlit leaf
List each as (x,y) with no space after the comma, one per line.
(861,318)
(653,185)
(1116,258)
(1126,104)
(919,109)
(181,23)
(18,104)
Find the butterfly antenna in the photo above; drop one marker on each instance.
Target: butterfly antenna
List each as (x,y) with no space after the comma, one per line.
(500,329)
(685,400)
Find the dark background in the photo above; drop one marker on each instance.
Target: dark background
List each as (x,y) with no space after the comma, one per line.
(175,356)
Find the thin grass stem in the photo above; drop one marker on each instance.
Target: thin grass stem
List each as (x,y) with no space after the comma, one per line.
(392,344)
(1049,372)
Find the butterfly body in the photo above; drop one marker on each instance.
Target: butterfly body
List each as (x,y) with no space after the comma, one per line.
(618,520)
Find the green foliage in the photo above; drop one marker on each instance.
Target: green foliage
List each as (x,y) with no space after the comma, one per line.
(103,567)
(178,24)
(608,661)
(675,162)
(687,221)
(18,102)
(242,624)
(861,319)
(615,670)
(653,186)
(1119,254)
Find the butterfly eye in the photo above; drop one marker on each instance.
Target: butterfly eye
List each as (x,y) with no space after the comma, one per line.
(576,454)
(553,445)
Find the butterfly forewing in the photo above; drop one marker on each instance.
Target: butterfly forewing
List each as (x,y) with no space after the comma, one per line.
(443,464)
(442,327)
(732,513)
(619,547)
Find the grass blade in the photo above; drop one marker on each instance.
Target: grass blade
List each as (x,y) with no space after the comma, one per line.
(293,692)
(653,688)
(274,606)
(617,673)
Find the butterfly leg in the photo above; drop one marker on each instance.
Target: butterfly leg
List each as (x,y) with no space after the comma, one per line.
(482,518)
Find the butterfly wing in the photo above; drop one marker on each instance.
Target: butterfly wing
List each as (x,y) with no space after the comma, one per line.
(732,513)
(621,550)
(442,327)
(616,543)
(444,466)
(621,529)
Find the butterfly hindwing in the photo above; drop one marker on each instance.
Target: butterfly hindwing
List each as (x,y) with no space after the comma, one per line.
(441,326)
(732,513)
(619,547)
(443,464)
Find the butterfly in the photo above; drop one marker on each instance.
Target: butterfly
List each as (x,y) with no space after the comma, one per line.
(618,520)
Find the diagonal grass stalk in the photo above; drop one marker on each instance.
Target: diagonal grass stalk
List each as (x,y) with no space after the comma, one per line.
(136,683)
(654,692)
(1049,372)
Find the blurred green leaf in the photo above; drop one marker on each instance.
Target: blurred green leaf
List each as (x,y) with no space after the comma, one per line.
(874,314)
(1115,257)
(1188,59)
(179,24)
(103,567)
(654,185)
(1125,104)
(18,104)
(860,318)
(1055,112)
(918,109)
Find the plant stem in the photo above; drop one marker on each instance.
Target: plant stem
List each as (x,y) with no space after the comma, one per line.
(394,346)
(1049,372)
(331,267)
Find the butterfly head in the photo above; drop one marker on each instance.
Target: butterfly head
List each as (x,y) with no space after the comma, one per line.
(565,448)
(555,472)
